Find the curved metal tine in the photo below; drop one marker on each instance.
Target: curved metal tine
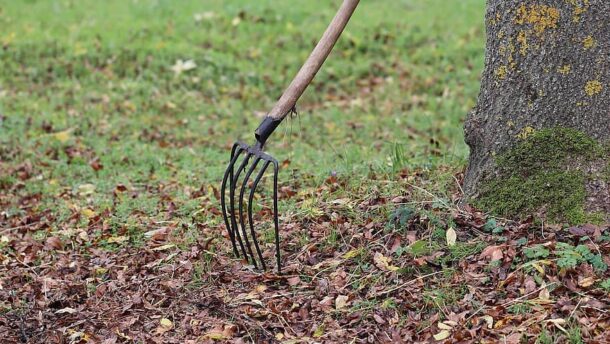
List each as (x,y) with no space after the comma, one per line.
(241,209)
(250,216)
(276,220)
(232,203)
(229,173)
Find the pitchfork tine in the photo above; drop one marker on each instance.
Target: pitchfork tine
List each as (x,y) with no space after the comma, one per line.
(235,229)
(241,211)
(229,174)
(250,215)
(276,219)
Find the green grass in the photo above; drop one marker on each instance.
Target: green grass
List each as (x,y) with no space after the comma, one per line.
(398,83)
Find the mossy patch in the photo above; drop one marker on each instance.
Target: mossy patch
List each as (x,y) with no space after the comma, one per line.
(542,174)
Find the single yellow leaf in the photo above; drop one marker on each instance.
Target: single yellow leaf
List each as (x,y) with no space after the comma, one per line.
(538,267)
(118,239)
(444,334)
(319,332)
(163,247)
(165,325)
(88,213)
(63,136)
(86,189)
(214,335)
(451,236)
(351,253)
(587,282)
(443,326)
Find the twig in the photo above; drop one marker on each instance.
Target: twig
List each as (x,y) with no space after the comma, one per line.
(512,301)
(575,308)
(6,230)
(23,333)
(407,283)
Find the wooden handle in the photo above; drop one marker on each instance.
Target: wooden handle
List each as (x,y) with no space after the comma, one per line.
(314,61)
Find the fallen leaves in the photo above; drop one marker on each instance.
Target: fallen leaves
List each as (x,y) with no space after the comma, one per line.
(451,236)
(88,213)
(383,262)
(53,243)
(183,66)
(66,310)
(117,239)
(86,190)
(63,136)
(494,252)
(341,302)
(165,325)
(442,335)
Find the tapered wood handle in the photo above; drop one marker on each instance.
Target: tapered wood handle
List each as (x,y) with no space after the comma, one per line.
(319,54)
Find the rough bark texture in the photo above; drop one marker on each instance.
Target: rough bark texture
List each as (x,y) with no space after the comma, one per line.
(547,65)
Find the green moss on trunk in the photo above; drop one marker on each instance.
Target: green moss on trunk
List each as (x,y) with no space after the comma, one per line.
(543,174)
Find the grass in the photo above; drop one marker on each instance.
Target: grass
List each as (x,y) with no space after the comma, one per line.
(93,82)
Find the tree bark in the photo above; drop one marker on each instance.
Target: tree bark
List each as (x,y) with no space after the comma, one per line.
(547,66)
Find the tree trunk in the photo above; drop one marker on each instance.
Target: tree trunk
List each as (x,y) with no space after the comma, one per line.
(539,135)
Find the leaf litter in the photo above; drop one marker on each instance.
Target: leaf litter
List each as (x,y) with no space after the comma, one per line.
(389,282)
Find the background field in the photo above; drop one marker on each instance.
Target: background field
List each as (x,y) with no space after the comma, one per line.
(111,159)
(395,91)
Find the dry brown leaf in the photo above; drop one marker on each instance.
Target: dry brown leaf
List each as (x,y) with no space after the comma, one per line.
(292,281)
(493,252)
(53,243)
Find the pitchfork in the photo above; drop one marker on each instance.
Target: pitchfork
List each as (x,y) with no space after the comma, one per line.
(285,105)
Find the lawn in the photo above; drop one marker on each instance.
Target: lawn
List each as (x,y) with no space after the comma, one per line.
(111,157)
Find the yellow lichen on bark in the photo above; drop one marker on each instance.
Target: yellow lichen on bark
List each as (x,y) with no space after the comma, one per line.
(502,50)
(542,17)
(588,42)
(580,7)
(522,40)
(526,132)
(501,72)
(593,87)
(565,69)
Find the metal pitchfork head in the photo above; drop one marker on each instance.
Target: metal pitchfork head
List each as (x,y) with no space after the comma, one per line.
(234,220)
(247,158)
